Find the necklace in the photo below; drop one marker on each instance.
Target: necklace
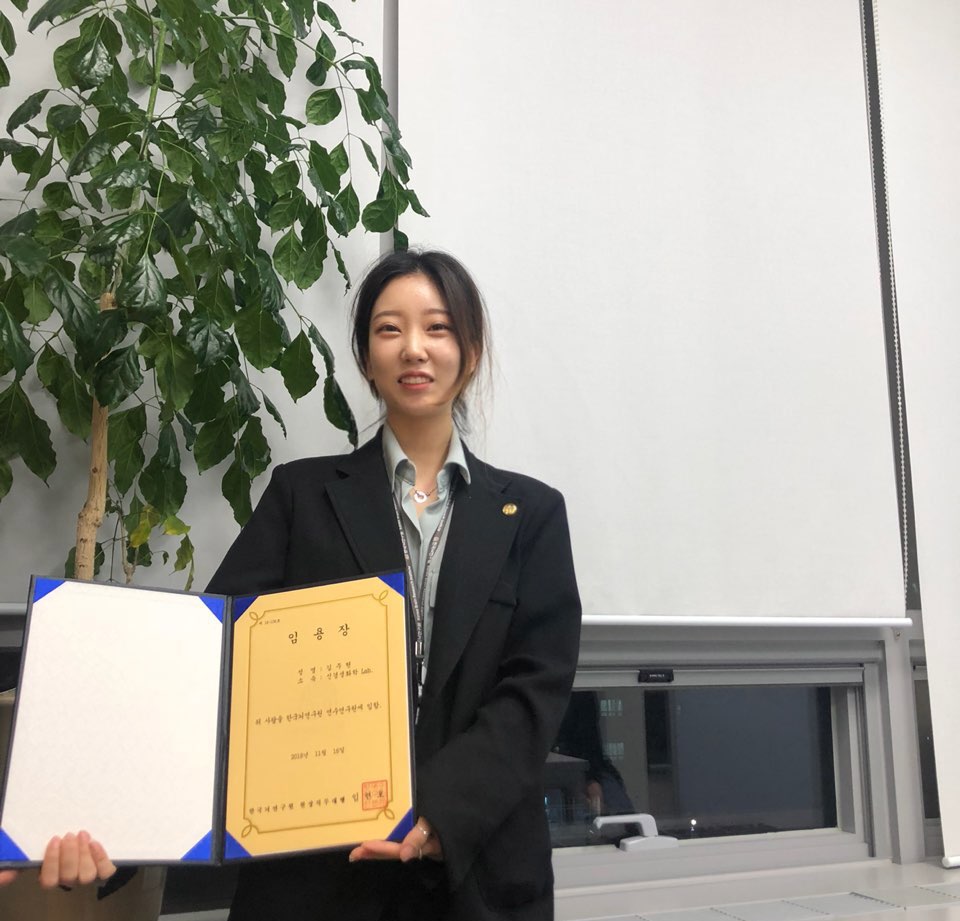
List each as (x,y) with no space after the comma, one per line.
(419,495)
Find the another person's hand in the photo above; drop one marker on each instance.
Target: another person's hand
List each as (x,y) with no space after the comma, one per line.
(7,876)
(74,859)
(420,842)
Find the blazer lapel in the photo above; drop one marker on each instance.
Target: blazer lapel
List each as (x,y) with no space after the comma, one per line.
(480,538)
(362,503)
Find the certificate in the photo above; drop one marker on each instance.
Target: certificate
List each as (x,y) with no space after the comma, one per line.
(188,727)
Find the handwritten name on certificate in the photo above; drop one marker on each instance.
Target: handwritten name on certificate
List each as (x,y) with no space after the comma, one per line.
(320,749)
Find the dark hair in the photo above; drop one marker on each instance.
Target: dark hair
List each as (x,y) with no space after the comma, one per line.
(462,297)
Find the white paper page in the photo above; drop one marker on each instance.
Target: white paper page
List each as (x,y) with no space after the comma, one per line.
(116,725)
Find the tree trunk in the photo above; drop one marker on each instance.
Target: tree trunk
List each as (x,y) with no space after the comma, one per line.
(91,515)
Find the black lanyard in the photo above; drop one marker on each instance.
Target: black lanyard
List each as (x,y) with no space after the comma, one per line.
(415,592)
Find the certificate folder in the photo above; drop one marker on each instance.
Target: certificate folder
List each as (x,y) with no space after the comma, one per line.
(177,726)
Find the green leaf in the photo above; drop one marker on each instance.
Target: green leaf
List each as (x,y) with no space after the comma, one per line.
(189,430)
(125,176)
(323,174)
(24,433)
(92,64)
(196,123)
(339,158)
(215,441)
(36,301)
(143,287)
(77,309)
(27,109)
(89,155)
(317,72)
(259,335)
(285,211)
(297,368)
(54,8)
(347,212)
(285,177)
(25,159)
(8,39)
(41,168)
(184,560)
(62,117)
(310,266)
(337,409)
(161,483)
(13,343)
(268,403)
(322,347)
(117,376)
(380,215)
(23,223)
(4,78)
(236,490)
(286,55)
(6,478)
(57,195)
(245,399)
(125,434)
(232,142)
(206,400)
(342,268)
(148,520)
(26,254)
(327,14)
(287,254)
(73,402)
(109,330)
(323,106)
(252,449)
(371,157)
(175,367)
(401,242)
(208,341)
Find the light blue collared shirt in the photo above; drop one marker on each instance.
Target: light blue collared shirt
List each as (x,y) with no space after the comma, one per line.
(420,530)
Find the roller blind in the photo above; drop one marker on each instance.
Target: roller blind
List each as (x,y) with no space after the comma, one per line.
(669,209)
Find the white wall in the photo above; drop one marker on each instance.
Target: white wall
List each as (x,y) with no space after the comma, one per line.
(920,73)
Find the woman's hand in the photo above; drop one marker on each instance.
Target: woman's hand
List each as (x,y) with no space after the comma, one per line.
(68,861)
(421,842)
(74,859)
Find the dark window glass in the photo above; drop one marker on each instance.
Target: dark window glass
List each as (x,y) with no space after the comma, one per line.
(704,762)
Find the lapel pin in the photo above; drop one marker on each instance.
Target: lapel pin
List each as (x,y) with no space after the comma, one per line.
(509,509)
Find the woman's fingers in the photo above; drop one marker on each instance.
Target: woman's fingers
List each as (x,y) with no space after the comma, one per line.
(86,868)
(69,859)
(7,876)
(376,850)
(105,866)
(50,868)
(74,859)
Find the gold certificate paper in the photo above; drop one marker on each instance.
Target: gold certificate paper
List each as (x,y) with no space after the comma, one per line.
(320,747)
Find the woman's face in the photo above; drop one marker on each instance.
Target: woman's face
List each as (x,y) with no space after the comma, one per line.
(414,359)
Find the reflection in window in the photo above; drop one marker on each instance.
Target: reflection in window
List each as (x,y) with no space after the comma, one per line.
(704,761)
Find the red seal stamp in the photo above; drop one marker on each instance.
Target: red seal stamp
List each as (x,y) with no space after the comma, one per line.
(374,794)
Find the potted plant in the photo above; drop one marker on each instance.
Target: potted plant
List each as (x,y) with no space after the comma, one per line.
(167,197)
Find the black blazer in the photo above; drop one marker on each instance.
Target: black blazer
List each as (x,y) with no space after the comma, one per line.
(502,659)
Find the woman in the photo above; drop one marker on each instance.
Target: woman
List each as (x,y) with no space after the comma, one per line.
(501,617)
